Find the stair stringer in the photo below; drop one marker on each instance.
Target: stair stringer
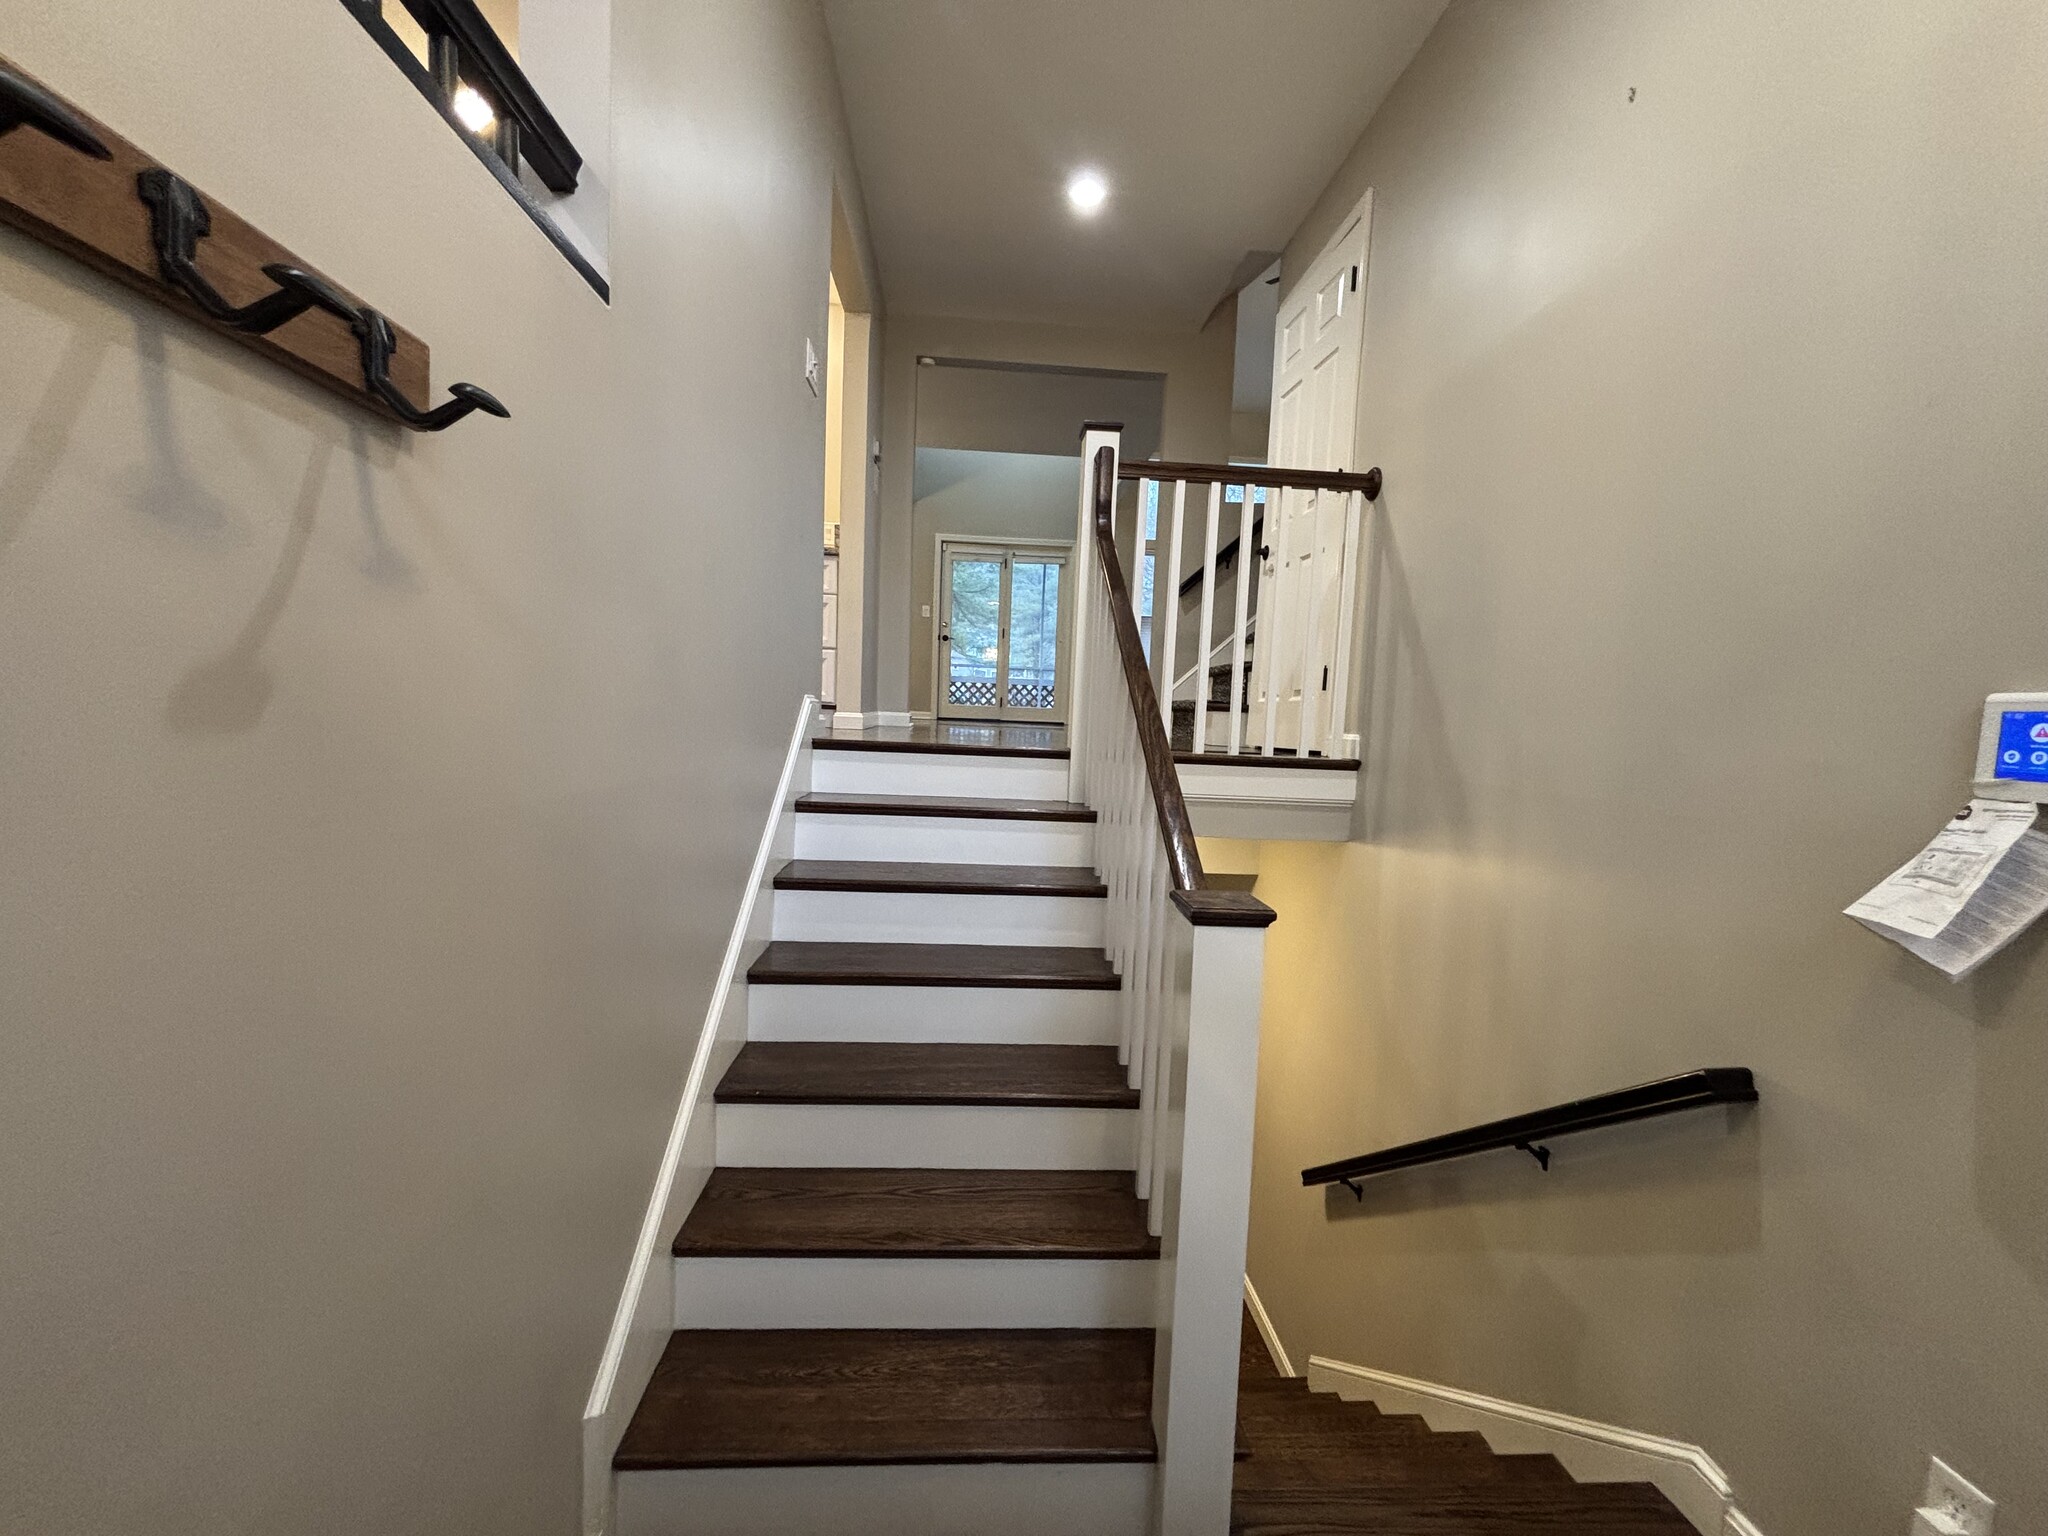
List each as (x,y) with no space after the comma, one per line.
(644,1317)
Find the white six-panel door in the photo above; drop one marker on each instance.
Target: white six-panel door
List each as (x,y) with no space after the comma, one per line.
(1319,337)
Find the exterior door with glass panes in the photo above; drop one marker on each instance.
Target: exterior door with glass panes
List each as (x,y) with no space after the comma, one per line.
(1002,632)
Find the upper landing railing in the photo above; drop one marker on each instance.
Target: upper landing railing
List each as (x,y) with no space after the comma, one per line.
(1261,630)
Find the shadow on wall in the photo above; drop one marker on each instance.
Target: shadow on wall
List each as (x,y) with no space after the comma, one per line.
(228,694)
(1703,1168)
(1401,717)
(2004,1004)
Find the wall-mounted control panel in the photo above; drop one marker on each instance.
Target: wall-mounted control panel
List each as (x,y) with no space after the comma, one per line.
(2012,747)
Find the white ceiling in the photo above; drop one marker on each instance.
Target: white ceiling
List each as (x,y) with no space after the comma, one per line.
(1216,121)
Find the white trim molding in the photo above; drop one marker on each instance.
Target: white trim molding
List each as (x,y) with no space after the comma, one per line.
(1592,1452)
(899,718)
(645,1314)
(1267,1331)
(847,720)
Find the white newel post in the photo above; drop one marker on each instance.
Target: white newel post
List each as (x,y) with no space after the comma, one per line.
(1094,437)
(1204,1182)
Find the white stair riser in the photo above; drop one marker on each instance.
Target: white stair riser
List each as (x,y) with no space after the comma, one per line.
(924,1136)
(925,917)
(979,1499)
(914,1293)
(946,840)
(934,1015)
(939,773)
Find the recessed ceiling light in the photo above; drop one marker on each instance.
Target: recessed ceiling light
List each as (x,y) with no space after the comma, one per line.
(472,110)
(1087,192)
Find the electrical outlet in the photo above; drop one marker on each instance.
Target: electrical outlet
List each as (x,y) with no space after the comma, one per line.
(1951,1505)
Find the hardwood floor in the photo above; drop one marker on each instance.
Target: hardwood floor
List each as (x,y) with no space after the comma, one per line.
(997,737)
(803,1072)
(941,805)
(898,1213)
(842,1397)
(824,963)
(944,879)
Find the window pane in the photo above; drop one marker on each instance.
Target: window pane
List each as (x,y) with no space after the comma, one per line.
(1034,634)
(971,654)
(1145,606)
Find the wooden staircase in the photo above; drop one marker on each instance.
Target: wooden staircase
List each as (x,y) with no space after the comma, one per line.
(916,1291)
(1316,1464)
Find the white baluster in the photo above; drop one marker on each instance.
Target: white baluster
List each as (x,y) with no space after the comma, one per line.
(1166,590)
(1202,658)
(1247,561)
(1311,636)
(1347,617)
(1270,622)
(1139,985)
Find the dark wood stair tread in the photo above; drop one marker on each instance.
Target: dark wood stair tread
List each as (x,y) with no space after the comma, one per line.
(1252,757)
(836,1072)
(883,1213)
(826,963)
(1452,1507)
(963,747)
(946,879)
(962,807)
(848,1397)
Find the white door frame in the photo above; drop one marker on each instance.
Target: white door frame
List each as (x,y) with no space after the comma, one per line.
(1004,541)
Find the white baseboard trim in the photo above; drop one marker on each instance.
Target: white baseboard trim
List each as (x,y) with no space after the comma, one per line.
(1592,1452)
(895,717)
(1266,1330)
(645,1314)
(847,720)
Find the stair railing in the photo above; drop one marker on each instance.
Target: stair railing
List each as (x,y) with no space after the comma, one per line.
(1191,959)
(1295,580)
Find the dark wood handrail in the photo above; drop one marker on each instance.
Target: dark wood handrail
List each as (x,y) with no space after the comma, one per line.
(1689,1090)
(1203,906)
(1253,474)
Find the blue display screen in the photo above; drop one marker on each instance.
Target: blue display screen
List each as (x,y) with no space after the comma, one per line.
(2023,745)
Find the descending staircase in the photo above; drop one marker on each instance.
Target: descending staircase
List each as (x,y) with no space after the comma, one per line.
(1315,1464)
(1218,705)
(916,1294)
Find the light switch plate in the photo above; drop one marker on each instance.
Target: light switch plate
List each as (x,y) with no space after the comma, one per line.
(811,364)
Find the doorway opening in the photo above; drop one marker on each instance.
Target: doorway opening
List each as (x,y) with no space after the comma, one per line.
(846,676)
(993,502)
(1002,630)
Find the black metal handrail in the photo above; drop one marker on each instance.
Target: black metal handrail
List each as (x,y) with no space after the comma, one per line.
(1527,1133)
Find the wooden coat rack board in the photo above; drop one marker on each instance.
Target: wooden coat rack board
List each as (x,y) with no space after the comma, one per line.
(72,183)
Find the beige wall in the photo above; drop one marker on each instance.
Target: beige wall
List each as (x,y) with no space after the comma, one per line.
(1705,359)
(1002,409)
(1197,368)
(375,806)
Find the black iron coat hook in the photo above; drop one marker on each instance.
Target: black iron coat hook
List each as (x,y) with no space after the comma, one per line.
(179,221)
(378,341)
(24,104)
